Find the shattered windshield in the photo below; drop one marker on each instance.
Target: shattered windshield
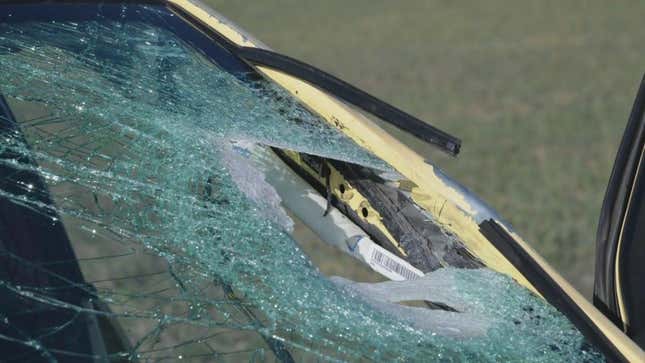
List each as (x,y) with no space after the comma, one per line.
(133,226)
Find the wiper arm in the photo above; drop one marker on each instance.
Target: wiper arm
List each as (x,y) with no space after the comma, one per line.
(353,95)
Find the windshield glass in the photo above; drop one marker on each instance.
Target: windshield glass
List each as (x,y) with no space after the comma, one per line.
(125,131)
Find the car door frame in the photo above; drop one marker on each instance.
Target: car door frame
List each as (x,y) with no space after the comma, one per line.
(616,253)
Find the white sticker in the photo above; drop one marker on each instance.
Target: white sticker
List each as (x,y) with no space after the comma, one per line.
(394,266)
(385,262)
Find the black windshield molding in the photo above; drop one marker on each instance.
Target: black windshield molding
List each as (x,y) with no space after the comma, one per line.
(353,95)
(549,288)
(333,85)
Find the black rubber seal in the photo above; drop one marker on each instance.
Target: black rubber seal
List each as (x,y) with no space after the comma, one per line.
(352,95)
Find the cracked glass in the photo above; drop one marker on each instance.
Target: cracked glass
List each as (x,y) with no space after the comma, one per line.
(133,228)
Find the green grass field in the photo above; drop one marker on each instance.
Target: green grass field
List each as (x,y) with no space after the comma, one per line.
(539,92)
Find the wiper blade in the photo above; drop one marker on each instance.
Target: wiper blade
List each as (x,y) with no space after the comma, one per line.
(353,95)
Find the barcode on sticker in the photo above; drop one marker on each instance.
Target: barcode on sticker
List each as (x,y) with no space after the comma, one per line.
(392,265)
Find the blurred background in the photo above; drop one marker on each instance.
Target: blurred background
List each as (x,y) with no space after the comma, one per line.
(539,92)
